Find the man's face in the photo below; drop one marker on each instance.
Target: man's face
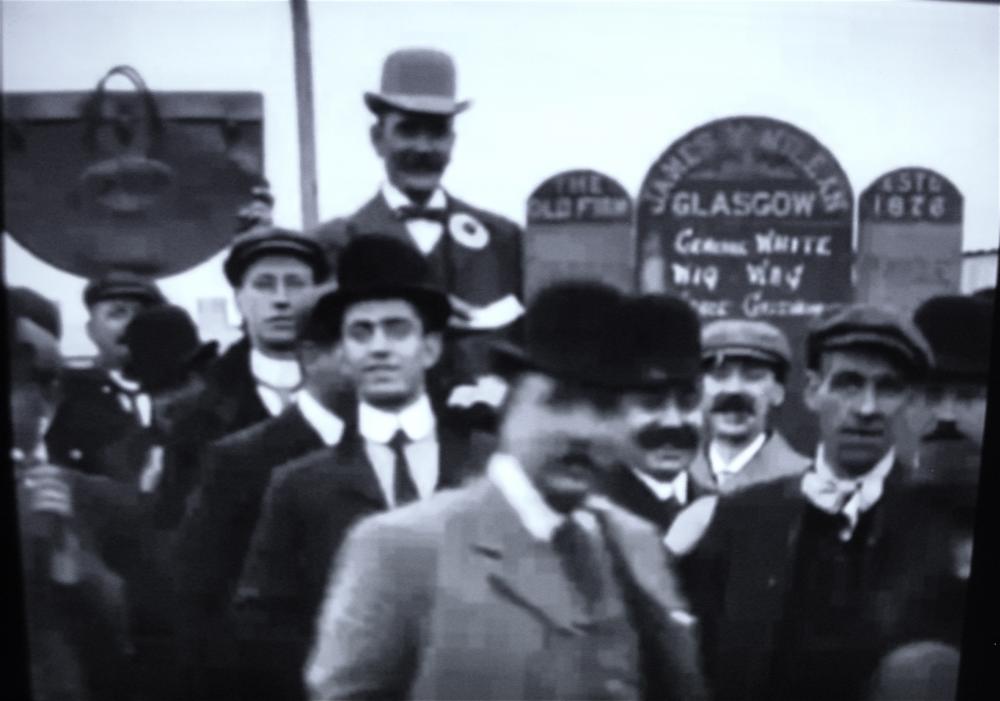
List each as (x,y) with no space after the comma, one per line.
(858,395)
(666,427)
(416,149)
(566,445)
(106,326)
(949,411)
(272,290)
(387,352)
(739,394)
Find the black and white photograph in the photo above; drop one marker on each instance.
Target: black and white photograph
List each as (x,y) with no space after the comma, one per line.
(502,350)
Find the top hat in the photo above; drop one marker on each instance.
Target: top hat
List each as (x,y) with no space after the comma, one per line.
(745,338)
(580,331)
(377,266)
(866,325)
(958,329)
(417,80)
(272,241)
(122,284)
(163,346)
(667,336)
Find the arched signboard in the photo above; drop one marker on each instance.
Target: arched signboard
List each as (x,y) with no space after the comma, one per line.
(750,217)
(579,224)
(909,239)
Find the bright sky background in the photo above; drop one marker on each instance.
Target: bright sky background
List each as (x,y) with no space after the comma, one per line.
(555,86)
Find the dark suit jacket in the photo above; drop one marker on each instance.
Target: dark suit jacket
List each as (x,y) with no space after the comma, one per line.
(629,492)
(87,421)
(227,403)
(310,505)
(452,598)
(744,567)
(775,460)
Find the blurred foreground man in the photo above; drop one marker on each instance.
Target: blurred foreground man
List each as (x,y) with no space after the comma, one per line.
(75,604)
(104,400)
(384,321)
(812,579)
(476,253)
(745,363)
(519,586)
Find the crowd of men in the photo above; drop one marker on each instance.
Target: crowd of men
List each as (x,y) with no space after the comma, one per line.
(404,481)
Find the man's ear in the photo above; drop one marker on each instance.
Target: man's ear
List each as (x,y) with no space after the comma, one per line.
(777,394)
(375,135)
(810,393)
(433,346)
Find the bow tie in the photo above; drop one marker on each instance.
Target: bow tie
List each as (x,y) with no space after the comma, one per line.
(409,212)
(832,496)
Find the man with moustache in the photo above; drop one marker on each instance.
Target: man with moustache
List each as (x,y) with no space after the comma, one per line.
(745,365)
(520,585)
(666,425)
(272,272)
(101,400)
(383,325)
(810,580)
(477,254)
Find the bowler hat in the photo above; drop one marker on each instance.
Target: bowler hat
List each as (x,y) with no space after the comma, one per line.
(417,80)
(163,346)
(667,336)
(580,331)
(272,241)
(958,329)
(122,284)
(864,325)
(378,266)
(745,338)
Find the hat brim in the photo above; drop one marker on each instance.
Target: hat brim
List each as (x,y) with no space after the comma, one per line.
(421,104)
(433,304)
(745,352)
(919,364)
(236,265)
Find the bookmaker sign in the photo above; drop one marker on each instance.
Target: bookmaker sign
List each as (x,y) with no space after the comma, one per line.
(579,225)
(909,238)
(748,217)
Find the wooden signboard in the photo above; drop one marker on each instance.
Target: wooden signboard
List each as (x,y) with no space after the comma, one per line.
(909,239)
(579,225)
(149,182)
(750,217)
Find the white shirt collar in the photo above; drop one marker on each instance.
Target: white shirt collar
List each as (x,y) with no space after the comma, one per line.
(327,424)
(417,421)
(540,519)
(275,372)
(126,384)
(871,483)
(396,199)
(739,461)
(677,488)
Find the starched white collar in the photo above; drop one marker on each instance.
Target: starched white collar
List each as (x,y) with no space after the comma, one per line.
(677,488)
(275,372)
(395,198)
(327,424)
(728,468)
(540,519)
(416,420)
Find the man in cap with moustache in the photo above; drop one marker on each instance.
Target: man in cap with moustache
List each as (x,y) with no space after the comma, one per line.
(522,584)
(666,423)
(477,254)
(745,363)
(810,579)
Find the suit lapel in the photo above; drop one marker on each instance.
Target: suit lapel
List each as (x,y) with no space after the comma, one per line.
(375,217)
(519,568)
(354,471)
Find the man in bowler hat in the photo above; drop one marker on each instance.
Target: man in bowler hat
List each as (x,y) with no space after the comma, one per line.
(807,581)
(520,585)
(476,253)
(386,318)
(102,399)
(745,365)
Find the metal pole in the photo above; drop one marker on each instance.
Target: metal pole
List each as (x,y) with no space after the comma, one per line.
(306,120)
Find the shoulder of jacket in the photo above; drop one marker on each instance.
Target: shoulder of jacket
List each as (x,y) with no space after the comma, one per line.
(491,219)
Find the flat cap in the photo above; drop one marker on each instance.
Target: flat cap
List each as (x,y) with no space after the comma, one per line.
(270,241)
(745,338)
(120,284)
(864,325)
(958,329)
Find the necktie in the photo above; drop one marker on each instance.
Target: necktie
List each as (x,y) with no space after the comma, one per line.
(578,560)
(404,489)
(408,212)
(836,497)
